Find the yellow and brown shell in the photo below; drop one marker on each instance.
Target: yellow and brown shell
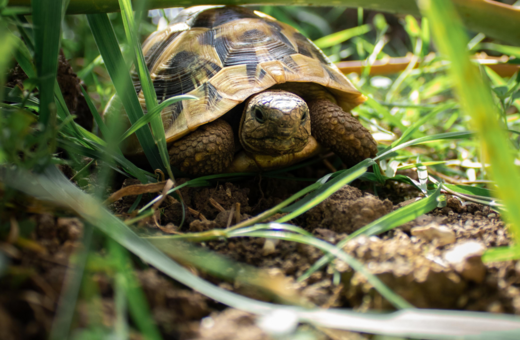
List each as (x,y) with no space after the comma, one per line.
(222,55)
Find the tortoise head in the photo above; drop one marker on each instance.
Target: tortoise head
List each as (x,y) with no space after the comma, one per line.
(275,123)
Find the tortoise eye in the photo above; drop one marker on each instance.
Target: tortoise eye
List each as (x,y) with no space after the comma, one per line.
(259,115)
(304,116)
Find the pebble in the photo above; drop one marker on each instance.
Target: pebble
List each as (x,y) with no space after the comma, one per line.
(466,259)
(440,235)
(269,247)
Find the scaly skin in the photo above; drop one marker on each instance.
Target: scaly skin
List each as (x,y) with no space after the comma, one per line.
(283,128)
(342,133)
(278,138)
(207,150)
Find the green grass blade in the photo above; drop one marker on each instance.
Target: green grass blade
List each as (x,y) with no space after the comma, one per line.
(47,15)
(137,303)
(269,227)
(426,139)
(223,267)
(509,50)
(64,113)
(477,102)
(116,66)
(153,114)
(341,36)
(67,303)
(7,45)
(385,223)
(98,151)
(23,57)
(469,190)
(501,254)
(97,117)
(409,132)
(385,114)
(397,301)
(326,190)
(146,83)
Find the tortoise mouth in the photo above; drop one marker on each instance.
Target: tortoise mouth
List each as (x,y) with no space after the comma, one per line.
(276,146)
(275,123)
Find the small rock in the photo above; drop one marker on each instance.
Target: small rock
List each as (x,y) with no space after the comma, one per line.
(440,235)
(269,247)
(468,224)
(279,323)
(466,259)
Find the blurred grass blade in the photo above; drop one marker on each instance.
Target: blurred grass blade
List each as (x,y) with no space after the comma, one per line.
(47,15)
(385,223)
(501,254)
(387,293)
(98,151)
(64,113)
(137,303)
(409,132)
(469,190)
(23,56)
(478,103)
(72,284)
(116,66)
(97,117)
(426,139)
(504,49)
(146,83)
(152,114)
(7,45)
(269,227)
(223,267)
(384,113)
(341,36)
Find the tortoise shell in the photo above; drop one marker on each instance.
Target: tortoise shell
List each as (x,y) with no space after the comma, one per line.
(222,55)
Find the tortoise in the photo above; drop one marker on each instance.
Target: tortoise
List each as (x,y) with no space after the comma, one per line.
(267,97)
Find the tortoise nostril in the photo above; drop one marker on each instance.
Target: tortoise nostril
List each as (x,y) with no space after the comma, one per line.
(259,115)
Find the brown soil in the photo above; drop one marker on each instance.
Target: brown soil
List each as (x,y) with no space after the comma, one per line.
(433,261)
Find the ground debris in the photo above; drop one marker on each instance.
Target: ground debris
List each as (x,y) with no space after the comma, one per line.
(413,260)
(347,210)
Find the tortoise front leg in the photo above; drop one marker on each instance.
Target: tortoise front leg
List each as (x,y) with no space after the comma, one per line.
(342,133)
(207,150)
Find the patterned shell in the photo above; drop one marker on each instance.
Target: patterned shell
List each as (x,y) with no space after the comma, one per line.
(223,55)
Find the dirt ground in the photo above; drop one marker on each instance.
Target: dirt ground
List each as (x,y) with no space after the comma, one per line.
(433,261)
